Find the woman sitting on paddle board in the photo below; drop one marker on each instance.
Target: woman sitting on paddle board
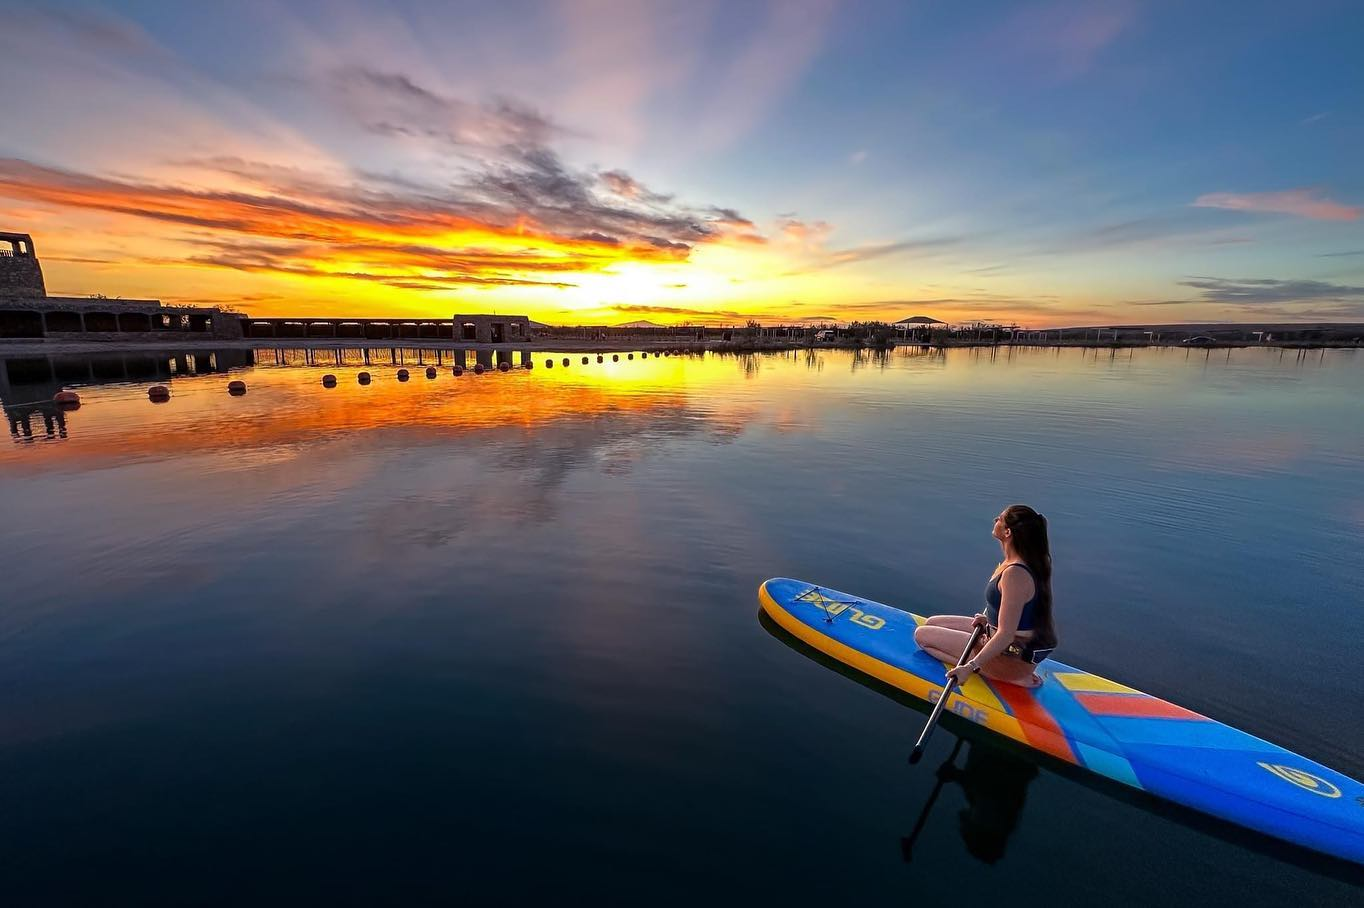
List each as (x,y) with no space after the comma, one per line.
(1017,618)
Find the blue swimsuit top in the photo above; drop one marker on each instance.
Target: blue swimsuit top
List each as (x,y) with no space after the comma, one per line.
(1026,621)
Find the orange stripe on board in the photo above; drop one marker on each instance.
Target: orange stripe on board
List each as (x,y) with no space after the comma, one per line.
(1135,707)
(1039,728)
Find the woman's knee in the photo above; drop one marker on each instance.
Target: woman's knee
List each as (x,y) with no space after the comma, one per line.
(939,638)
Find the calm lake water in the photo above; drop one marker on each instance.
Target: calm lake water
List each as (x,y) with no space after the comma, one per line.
(495,638)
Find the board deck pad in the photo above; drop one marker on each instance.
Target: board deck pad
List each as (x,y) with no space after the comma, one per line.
(1092,722)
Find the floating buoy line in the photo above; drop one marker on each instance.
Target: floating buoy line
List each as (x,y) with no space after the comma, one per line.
(70,400)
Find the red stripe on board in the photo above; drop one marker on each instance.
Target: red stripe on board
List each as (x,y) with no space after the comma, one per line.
(1037,724)
(1133,706)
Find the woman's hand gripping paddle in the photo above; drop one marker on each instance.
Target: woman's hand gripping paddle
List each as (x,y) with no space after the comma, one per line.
(918,751)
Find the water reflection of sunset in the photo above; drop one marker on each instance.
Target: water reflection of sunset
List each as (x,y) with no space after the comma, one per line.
(721,396)
(287,407)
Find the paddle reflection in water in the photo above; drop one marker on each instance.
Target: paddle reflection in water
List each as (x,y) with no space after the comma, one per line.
(994,776)
(996,786)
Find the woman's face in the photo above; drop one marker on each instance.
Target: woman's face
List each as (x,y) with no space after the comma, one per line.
(1001,530)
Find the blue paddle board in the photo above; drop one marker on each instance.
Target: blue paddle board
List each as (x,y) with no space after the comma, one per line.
(1100,725)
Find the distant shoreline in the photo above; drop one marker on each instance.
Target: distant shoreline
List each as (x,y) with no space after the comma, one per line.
(20,347)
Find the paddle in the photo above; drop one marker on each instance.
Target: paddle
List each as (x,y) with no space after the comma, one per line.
(918,751)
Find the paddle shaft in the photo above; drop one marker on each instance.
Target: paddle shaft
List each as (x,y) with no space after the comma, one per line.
(942,699)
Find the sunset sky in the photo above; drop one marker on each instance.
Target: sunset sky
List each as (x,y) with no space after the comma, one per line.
(1053,163)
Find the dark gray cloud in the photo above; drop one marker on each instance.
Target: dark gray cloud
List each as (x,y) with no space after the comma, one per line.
(601,238)
(537,184)
(1272,298)
(979,304)
(1182,228)
(626,186)
(728,217)
(392,104)
(1328,312)
(1257,291)
(1333,255)
(838,257)
(659,242)
(881,250)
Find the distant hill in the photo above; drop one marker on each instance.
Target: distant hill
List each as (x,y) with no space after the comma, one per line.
(642,323)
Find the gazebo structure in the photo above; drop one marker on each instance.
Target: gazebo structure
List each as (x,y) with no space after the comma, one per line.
(917,323)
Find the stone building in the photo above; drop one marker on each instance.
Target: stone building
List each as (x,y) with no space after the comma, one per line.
(493,329)
(28,313)
(83,318)
(21,277)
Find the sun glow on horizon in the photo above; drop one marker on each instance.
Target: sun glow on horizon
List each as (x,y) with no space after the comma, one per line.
(362,166)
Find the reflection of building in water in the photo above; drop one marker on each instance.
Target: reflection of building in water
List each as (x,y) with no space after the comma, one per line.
(28,383)
(996,785)
(394,356)
(20,418)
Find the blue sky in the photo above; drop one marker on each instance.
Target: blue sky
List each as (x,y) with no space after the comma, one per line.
(1047,163)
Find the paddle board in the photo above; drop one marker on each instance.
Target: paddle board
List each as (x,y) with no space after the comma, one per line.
(1091,722)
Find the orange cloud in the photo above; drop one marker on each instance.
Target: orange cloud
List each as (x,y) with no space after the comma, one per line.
(804,233)
(532,222)
(1305,203)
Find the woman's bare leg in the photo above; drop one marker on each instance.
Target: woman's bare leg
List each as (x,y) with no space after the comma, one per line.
(944,637)
(945,643)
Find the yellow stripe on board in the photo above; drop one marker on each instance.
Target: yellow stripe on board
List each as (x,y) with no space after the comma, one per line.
(976,689)
(1085,683)
(991,717)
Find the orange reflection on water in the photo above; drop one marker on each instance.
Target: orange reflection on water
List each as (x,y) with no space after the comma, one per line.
(286,408)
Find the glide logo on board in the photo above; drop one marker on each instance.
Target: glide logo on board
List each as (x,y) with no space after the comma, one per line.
(1303,779)
(961,708)
(834,607)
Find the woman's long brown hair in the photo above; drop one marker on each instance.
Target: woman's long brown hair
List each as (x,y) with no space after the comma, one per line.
(1029,537)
